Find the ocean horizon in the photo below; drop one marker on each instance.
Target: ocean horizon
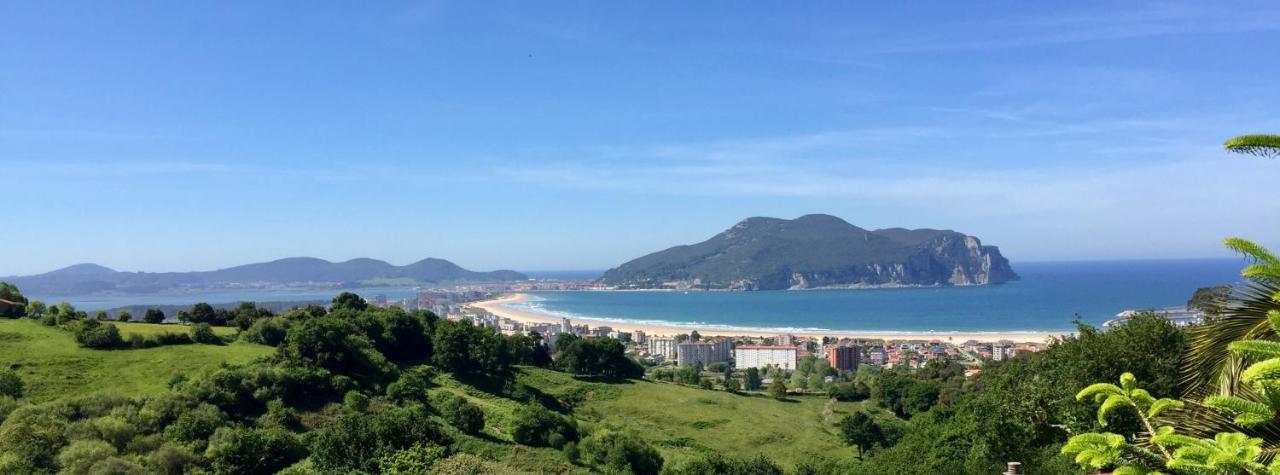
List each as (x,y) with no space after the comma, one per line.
(1049,297)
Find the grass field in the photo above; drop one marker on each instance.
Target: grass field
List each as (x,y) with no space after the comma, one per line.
(53,366)
(681,421)
(156,329)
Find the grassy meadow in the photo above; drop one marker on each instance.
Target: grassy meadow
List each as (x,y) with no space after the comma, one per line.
(53,366)
(680,421)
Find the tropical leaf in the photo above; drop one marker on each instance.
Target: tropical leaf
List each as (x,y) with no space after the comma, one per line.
(1105,389)
(1095,450)
(1257,348)
(1265,369)
(1260,145)
(1160,405)
(1111,403)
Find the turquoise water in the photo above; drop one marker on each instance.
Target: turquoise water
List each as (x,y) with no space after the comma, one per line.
(1048,298)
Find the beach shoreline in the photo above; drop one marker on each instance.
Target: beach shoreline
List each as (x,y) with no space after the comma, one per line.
(499,307)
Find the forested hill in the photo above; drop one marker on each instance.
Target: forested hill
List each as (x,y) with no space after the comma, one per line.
(816,251)
(90,278)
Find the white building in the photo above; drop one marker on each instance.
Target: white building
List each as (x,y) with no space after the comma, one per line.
(759,356)
(702,352)
(662,346)
(999,352)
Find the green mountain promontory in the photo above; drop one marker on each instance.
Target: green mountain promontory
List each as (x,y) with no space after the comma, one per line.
(817,251)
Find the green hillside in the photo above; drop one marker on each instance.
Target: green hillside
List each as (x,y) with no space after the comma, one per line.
(54,367)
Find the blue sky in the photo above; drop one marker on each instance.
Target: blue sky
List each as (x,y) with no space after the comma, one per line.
(543,135)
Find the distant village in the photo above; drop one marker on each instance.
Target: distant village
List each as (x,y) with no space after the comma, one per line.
(783,352)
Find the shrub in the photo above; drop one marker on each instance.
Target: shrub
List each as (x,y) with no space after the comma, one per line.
(358,442)
(460,413)
(280,416)
(466,349)
(30,439)
(10,383)
(203,333)
(194,427)
(97,335)
(171,460)
(412,385)
(153,315)
(596,357)
(534,425)
(267,331)
(355,401)
(124,315)
(467,464)
(115,430)
(414,460)
(116,466)
(334,344)
(82,454)
(620,452)
(244,450)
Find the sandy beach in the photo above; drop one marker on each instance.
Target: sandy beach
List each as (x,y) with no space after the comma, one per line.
(498,307)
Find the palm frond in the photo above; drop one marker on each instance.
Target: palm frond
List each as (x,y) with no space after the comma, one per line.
(1261,145)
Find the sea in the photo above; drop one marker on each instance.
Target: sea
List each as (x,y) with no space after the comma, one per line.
(1049,298)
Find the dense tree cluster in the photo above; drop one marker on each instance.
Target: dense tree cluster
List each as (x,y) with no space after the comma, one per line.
(604,357)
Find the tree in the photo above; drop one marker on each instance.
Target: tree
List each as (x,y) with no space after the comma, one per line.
(204,313)
(596,357)
(246,313)
(100,315)
(534,425)
(12,303)
(333,344)
(777,389)
(466,349)
(124,316)
(412,385)
(246,450)
(359,442)
(153,315)
(95,334)
(348,300)
(203,333)
(753,379)
(620,452)
(460,413)
(182,316)
(694,336)
(731,385)
(861,431)
(36,309)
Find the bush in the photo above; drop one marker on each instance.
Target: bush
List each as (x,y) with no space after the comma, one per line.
(596,357)
(415,460)
(171,460)
(358,442)
(467,464)
(534,425)
(115,430)
(466,349)
(267,331)
(153,315)
(10,384)
(334,344)
(82,454)
(355,401)
(460,413)
(244,450)
(193,428)
(280,416)
(97,335)
(116,466)
(203,333)
(620,452)
(30,439)
(412,385)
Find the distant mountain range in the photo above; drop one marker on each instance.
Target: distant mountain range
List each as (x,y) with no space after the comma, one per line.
(817,251)
(82,279)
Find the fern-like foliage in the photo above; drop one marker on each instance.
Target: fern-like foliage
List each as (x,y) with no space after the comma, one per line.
(1225,453)
(1261,145)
